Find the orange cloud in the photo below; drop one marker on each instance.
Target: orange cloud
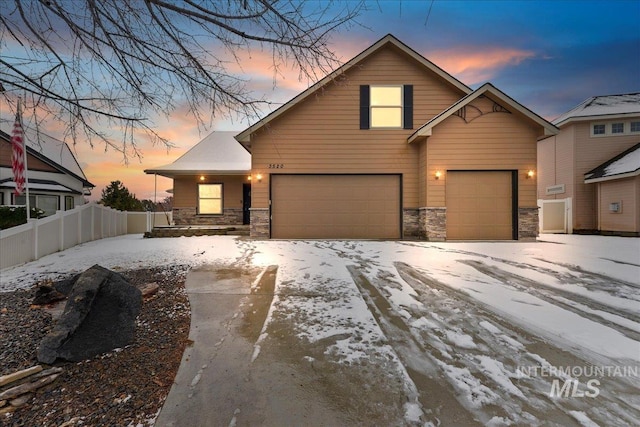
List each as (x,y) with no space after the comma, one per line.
(474,65)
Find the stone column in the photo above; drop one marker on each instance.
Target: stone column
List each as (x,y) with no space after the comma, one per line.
(527,223)
(434,223)
(410,224)
(259,223)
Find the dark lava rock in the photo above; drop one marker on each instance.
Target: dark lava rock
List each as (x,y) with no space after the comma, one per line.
(98,317)
(47,295)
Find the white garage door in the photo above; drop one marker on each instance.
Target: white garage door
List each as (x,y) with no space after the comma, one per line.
(335,207)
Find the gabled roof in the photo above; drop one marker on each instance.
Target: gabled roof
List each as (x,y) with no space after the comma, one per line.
(603,107)
(492,92)
(53,152)
(244,136)
(217,153)
(624,165)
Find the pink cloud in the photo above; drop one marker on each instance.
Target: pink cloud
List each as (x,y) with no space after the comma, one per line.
(477,65)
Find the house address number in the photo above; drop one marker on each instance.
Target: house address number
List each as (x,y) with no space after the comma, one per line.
(276,166)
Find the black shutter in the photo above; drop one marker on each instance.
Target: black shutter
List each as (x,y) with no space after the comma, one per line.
(407,108)
(364,107)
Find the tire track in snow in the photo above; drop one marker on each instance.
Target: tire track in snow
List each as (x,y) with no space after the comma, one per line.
(496,350)
(549,294)
(421,370)
(575,275)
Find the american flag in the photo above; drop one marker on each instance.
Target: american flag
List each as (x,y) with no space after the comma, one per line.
(17,158)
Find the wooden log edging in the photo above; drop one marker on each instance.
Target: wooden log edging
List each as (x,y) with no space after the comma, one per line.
(17,388)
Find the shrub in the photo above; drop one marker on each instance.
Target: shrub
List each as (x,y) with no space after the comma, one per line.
(11,216)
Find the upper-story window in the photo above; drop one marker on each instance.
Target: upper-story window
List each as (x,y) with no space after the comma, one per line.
(386,107)
(599,129)
(617,127)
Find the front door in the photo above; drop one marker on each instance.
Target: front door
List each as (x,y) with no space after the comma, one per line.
(246,203)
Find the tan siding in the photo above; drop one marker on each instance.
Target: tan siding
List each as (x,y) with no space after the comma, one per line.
(546,172)
(185,190)
(624,191)
(591,152)
(497,141)
(322,134)
(565,146)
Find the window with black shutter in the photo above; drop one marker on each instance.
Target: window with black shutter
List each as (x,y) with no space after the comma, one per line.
(386,107)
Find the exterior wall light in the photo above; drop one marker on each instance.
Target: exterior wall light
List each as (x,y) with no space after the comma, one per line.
(530,174)
(201,177)
(259,176)
(438,174)
(249,178)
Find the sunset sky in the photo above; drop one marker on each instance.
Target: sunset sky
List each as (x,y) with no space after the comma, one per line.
(547,55)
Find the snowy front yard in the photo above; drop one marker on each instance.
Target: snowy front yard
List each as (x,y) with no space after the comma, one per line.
(501,333)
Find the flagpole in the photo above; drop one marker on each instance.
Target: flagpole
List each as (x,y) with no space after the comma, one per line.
(26,169)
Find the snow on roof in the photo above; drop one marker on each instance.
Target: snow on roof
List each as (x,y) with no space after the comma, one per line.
(602,106)
(40,184)
(53,149)
(219,152)
(623,165)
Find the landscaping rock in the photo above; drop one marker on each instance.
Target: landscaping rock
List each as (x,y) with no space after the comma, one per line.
(47,294)
(98,317)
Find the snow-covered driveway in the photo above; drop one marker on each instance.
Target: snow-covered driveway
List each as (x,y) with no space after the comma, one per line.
(515,333)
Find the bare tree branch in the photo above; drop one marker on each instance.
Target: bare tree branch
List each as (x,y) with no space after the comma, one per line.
(114,64)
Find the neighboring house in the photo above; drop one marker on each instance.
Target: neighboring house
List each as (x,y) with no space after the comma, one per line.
(593,166)
(55,179)
(391,146)
(210,182)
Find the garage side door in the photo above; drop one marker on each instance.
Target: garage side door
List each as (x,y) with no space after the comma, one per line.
(335,206)
(479,205)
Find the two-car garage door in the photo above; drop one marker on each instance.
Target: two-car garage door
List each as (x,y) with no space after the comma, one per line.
(336,206)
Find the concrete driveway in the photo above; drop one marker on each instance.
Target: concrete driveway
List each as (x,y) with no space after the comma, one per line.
(402,333)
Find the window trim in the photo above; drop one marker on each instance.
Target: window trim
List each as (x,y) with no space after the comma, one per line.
(212,198)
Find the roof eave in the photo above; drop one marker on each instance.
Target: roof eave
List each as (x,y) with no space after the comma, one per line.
(172,173)
(596,117)
(612,177)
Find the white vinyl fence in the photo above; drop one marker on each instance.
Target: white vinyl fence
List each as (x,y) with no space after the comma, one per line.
(65,229)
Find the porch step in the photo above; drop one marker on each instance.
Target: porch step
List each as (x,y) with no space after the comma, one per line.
(186,231)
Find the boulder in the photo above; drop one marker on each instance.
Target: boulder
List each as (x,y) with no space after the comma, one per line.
(99,316)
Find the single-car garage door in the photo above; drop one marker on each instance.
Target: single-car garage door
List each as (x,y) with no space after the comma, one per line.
(479,205)
(335,207)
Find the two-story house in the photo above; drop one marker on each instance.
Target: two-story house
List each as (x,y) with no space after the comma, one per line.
(56,180)
(391,146)
(589,174)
